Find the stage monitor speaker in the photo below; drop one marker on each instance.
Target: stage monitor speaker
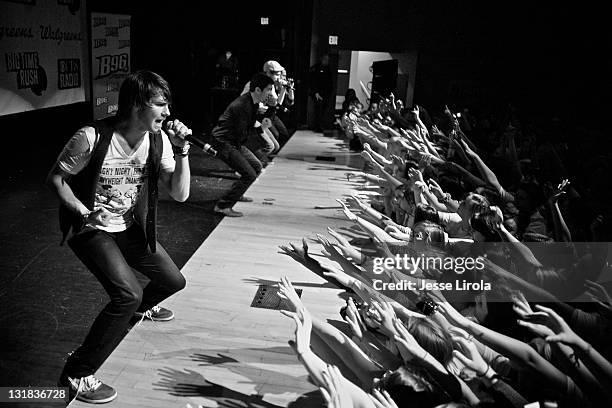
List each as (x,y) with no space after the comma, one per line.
(384,78)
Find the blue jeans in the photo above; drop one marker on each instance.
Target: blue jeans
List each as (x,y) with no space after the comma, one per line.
(112,258)
(242,160)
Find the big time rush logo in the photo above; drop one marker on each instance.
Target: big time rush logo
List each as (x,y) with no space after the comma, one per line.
(29,72)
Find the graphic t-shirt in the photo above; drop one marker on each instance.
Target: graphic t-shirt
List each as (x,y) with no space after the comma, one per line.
(123,177)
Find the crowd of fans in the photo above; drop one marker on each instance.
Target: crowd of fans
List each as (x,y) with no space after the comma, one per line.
(529,321)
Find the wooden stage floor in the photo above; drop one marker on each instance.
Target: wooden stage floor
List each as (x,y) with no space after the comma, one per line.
(220,351)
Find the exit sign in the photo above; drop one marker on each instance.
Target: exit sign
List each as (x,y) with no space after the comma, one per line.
(333,40)
(265,21)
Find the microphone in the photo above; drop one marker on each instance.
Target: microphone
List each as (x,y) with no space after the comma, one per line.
(206,147)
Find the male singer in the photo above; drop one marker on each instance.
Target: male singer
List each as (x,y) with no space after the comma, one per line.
(233,129)
(269,141)
(106,180)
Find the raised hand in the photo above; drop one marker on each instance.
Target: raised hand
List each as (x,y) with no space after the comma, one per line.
(415,175)
(353,318)
(398,161)
(481,310)
(562,332)
(339,237)
(355,201)
(396,233)
(387,317)
(556,194)
(341,277)
(382,246)
(382,399)
(469,354)
(335,394)
(299,254)
(522,308)
(408,346)
(424,159)
(347,249)
(329,250)
(349,214)
(435,188)
(367,156)
(597,293)
(303,329)
(451,314)
(288,293)
(497,222)
(467,149)
(436,131)
(520,305)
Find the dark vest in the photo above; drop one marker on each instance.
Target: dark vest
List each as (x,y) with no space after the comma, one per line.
(84,183)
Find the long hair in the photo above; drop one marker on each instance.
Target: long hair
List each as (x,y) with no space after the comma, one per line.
(415,384)
(432,338)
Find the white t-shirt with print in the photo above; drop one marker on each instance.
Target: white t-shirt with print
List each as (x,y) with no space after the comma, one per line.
(123,177)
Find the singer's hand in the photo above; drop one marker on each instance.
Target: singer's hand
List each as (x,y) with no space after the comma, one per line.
(266,123)
(177,131)
(262,109)
(100,218)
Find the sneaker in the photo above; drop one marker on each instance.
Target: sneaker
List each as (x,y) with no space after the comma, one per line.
(245,199)
(156,314)
(227,212)
(88,389)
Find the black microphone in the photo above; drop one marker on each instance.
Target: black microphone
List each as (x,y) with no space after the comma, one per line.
(206,147)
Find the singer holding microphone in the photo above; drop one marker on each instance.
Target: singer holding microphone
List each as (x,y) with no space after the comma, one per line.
(106,179)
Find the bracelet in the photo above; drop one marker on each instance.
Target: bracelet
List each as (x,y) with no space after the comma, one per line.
(485,372)
(181,151)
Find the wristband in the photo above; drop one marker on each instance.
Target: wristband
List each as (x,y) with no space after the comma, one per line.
(181,151)
(85,217)
(301,353)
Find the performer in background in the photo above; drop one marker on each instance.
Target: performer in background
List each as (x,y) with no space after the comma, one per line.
(269,141)
(285,89)
(227,70)
(106,179)
(321,92)
(233,129)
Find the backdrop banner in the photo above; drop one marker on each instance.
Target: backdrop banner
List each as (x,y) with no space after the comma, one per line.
(43,44)
(110,60)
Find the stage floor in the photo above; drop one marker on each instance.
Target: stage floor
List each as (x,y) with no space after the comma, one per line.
(220,351)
